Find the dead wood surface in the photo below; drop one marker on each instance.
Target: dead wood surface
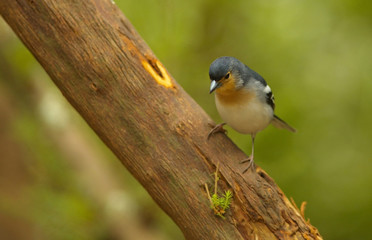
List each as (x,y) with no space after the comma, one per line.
(111,77)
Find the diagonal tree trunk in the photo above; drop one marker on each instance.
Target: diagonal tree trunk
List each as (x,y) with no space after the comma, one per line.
(111,77)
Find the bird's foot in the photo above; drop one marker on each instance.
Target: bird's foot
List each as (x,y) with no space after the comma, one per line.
(216,129)
(251,163)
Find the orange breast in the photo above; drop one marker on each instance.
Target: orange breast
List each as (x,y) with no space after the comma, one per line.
(227,95)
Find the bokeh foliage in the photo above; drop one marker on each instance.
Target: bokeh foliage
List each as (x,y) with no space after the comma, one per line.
(316,57)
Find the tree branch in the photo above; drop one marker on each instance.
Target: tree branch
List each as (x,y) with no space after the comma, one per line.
(111,77)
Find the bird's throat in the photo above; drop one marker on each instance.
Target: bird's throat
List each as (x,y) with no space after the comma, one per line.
(233,96)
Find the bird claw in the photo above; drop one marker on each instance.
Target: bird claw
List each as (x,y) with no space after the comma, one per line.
(251,163)
(219,128)
(216,129)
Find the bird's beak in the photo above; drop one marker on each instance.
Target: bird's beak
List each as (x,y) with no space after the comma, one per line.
(214,85)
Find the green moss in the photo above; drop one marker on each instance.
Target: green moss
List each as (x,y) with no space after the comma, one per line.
(219,204)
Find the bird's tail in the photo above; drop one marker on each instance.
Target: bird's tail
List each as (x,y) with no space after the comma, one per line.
(279,123)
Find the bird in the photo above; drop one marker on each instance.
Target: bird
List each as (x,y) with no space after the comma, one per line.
(243,99)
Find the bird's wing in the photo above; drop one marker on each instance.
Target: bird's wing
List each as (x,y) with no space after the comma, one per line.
(269,96)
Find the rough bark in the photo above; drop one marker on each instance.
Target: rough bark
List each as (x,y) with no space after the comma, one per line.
(111,77)
(70,142)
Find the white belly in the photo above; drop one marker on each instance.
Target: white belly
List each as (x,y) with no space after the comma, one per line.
(247,118)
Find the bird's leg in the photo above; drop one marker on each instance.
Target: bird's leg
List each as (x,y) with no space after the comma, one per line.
(217,128)
(250,158)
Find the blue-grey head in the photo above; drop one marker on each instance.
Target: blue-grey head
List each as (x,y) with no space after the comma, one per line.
(230,73)
(226,71)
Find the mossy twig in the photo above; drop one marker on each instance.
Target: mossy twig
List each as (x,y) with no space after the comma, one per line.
(219,204)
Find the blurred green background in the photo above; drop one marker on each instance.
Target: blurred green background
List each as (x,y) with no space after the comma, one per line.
(316,56)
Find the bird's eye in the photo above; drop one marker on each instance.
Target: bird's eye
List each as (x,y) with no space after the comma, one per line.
(227,76)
